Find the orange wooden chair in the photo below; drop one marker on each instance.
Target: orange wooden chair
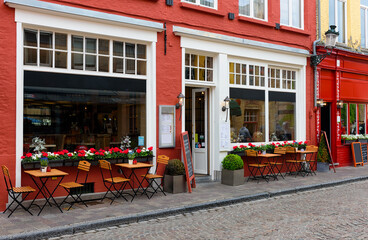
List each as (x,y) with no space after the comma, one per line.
(74,188)
(15,192)
(111,181)
(312,160)
(277,163)
(293,164)
(256,167)
(161,163)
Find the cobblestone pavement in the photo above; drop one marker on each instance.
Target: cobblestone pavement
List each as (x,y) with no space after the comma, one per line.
(333,213)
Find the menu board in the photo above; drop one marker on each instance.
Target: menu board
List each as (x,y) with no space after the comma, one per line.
(188,162)
(357,153)
(364,152)
(166,126)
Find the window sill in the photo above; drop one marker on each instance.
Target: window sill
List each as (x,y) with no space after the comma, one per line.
(256,21)
(201,9)
(295,30)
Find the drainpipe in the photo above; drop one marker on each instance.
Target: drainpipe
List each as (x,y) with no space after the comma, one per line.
(315,52)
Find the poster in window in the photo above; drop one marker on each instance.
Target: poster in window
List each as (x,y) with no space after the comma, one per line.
(166,126)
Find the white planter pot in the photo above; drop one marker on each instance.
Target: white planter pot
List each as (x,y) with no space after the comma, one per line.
(130,161)
(43,169)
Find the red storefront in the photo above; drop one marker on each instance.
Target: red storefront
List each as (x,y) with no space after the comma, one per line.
(343,86)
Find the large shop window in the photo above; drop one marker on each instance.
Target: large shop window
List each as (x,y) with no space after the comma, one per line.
(248,108)
(355,122)
(253,8)
(50,49)
(69,111)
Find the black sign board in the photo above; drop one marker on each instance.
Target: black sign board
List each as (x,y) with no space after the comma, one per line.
(357,153)
(364,152)
(188,162)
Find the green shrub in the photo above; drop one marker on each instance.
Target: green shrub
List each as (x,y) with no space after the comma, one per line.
(323,154)
(232,162)
(175,167)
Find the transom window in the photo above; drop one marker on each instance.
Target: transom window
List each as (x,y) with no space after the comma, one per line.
(363,22)
(281,78)
(204,3)
(246,74)
(337,16)
(198,67)
(291,13)
(51,49)
(253,8)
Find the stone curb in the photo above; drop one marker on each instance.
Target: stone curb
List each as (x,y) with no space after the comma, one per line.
(107,222)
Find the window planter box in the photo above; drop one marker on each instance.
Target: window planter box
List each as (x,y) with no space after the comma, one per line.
(347,141)
(363,140)
(31,165)
(144,159)
(241,154)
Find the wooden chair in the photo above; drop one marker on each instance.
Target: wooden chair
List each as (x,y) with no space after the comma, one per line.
(15,192)
(111,182)
(277,163)
(74,188)
(293,164)
(161,163)
(312,160)
(257,167)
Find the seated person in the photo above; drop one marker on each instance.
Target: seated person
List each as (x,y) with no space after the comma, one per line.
(244,134)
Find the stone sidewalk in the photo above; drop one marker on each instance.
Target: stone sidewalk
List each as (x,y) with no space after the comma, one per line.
(99,214)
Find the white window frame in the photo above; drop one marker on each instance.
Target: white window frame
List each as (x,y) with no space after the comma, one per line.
(301,12)
(365,8)
(345,20)
(198,3)
(252,11)
(198,68)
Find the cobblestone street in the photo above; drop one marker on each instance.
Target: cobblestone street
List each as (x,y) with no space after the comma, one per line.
(333,213)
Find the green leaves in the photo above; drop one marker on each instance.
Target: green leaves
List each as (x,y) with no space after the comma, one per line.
(232,162)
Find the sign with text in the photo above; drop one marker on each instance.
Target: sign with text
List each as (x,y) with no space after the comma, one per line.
(188,162)
(356,149)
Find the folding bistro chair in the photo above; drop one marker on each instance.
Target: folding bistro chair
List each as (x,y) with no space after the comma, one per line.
(15,192)
(111,182)
(277,163)
(76,187)
(292,163)
(312,160)
(256,167)
(162,161)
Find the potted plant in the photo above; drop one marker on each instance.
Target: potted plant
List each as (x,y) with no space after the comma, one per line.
(302,145)
(174,181)
(131,156)
(232,173)
(347,139)
(44,163)
(323,157)
(363,138)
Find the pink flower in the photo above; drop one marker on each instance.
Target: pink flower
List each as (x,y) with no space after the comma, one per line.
(150,148)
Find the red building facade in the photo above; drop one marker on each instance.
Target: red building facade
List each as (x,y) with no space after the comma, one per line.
(80,73)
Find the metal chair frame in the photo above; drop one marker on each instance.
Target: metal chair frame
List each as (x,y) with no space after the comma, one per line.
(278,163)
(293,162)
(312,159)
(161,159)
(257,167)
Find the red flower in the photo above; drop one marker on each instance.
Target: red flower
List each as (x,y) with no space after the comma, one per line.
(300,143)
(65,151)
(70,154)
(139,151)
(22,157)
(241,146)
(44,154)
(150,148)
(29,155)
(92,150)
(273,144)
(305,142)
(126,151)
(235,147)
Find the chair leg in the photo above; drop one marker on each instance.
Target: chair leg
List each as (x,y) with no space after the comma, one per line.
(19,203)
(155,189)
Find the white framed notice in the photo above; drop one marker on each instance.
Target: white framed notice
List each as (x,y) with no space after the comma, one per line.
(166,126)
(225,136)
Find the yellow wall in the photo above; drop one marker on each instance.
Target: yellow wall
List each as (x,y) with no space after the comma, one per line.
(353,21)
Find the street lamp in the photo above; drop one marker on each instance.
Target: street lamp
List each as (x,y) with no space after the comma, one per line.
(331,38)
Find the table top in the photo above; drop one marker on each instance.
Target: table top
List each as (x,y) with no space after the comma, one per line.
(52,173)
(138,165)
(306,152)
(267,155)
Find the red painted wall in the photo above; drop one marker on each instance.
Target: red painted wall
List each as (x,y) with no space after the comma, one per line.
(7,95)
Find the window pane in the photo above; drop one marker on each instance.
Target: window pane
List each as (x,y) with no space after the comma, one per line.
(231,78)
(259,9)
(103,64)
(141,67)
(77,44)
(45,40)
(244,7)
(247,120)
(284,12)
(362,27)
(296,13)
(194,74)
(202,74)
(231,67)
(141,51)
(187,59)
(61,41)
(202,61)
(103,46)
(353,119)
(187,72)
(45,58)
(210,62)
(331,12)
(118,65)
(364,2)
(91,45)
(344,118)
(209,75)
(341,21)
(30,56)
(30,38)
(130,50)
(60,59)
(193,60)
(130,66)
(208,3)
(281,121)
(362,115)
(118,49)
(77,61)
(91,62)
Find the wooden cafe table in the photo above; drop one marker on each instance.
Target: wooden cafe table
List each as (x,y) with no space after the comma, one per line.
(303,157)
(42,187)
(133,175)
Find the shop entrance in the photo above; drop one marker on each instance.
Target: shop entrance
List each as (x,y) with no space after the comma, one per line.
(196,123)
(326,120)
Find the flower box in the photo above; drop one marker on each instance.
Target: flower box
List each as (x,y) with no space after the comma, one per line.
(241,154)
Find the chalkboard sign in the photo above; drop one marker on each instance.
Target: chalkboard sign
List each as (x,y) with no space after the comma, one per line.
(357,153)
(364,152)
(188,162)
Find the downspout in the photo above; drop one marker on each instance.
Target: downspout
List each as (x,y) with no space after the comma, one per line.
(315,51)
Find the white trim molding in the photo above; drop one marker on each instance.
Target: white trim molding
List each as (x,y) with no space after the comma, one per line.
(35,5)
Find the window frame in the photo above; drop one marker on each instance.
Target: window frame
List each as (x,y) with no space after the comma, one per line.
(251,11)
(336,17)
(290,15)
(365,8)
(198,3)
(347,120)
(205,68)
